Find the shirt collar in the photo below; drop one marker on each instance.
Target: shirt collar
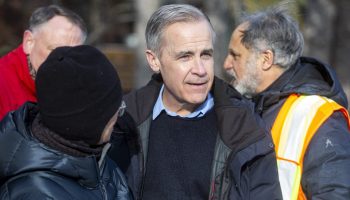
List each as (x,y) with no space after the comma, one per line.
(199,112)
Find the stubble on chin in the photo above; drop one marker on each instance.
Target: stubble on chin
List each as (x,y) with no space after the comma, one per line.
(232,77)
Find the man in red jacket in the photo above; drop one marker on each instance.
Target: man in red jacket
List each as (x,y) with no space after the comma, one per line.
(49,27)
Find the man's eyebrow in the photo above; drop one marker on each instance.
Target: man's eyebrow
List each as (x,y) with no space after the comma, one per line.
(183,53)
(233,52)
(208,51)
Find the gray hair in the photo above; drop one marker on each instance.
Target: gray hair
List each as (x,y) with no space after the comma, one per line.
(43,14)
(167,15)
(275,30)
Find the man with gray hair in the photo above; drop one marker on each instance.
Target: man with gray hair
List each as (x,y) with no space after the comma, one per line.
(49,27)
(301,101)
(193,136)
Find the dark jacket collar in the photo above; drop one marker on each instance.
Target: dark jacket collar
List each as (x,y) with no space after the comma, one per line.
(308,76)
(143,100)
(34,156)
(237,122)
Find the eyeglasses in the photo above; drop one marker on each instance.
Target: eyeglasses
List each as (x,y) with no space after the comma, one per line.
(121,109)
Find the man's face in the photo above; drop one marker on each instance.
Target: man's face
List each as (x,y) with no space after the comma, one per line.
(186,64)
(55,33)
(242,64)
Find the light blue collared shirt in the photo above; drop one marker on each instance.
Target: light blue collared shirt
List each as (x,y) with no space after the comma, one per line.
(199,112)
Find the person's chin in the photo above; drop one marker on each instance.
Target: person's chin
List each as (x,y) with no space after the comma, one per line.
(198,98)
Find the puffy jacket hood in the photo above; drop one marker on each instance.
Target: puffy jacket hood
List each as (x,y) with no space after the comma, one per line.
(31,155)
(308,76)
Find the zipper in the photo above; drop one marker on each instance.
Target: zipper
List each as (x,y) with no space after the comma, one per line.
(104,191)
(143,174)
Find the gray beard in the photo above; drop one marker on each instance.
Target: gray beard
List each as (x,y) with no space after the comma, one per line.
(248,84)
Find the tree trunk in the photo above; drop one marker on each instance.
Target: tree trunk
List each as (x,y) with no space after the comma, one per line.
(318,29)
(223,22)
(340,51)
(144,10)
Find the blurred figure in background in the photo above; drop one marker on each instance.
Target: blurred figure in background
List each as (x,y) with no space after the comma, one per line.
(49,27)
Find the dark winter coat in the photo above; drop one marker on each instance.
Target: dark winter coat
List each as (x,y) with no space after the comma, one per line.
(327,159)
(244,165)
(31,170)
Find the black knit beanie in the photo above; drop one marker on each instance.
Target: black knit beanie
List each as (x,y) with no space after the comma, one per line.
(78,92)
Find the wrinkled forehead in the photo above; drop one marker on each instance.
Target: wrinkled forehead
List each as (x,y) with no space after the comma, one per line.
(188,28)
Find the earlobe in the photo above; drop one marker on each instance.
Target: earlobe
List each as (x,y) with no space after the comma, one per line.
(153,61)
(28,42)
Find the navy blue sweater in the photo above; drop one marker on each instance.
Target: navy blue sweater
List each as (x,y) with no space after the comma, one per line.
(179,157)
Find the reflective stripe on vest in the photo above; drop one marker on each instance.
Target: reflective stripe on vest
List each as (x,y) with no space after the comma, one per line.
(294,127)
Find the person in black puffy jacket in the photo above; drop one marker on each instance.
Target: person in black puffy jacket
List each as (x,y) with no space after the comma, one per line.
(56,149)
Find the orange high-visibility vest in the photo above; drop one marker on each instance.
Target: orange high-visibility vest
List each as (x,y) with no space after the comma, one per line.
(296,123)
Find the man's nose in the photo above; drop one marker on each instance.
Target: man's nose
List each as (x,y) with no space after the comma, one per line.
(199,68)
(228,63)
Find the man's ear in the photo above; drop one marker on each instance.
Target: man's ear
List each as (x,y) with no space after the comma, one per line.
(153,61)
(267,59)
(28,41)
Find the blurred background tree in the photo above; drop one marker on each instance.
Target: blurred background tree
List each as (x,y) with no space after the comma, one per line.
(117,28)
